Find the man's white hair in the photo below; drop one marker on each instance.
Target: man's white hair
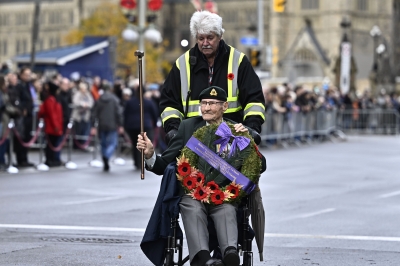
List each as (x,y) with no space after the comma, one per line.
(205,22)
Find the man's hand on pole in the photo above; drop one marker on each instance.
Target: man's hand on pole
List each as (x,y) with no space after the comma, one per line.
(145,144)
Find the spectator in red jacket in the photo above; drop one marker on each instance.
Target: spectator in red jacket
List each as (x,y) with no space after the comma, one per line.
(51,112)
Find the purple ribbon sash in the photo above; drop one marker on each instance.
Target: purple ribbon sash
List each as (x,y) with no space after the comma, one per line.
(220,164)
(224,131)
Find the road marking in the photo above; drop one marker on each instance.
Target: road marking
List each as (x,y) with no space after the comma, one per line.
(341,237)
(307,215)
(94,200)
(69,227)
(141,230)
(388,195)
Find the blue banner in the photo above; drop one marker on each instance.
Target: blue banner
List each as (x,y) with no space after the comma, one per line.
(220,164)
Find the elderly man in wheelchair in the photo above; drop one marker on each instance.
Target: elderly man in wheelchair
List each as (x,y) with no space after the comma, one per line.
(215,160)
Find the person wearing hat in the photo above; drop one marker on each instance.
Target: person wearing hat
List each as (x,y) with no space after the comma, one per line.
(211,62)
(213,103)
(108,114)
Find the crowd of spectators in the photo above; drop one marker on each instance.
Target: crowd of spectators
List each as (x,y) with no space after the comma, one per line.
(302,110)
(285,99)
(26,97)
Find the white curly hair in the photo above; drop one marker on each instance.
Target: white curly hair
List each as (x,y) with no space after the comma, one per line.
(205,22)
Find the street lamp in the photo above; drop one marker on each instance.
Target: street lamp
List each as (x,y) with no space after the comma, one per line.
(375,34)
(184,43)
(140,32)
(380,49)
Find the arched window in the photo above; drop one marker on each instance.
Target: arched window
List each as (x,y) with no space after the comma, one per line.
(304,55)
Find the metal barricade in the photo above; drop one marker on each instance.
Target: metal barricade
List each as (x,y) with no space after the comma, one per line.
(369,121)
(294,127)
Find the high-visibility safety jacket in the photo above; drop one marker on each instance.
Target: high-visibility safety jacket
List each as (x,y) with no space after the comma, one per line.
(232,72)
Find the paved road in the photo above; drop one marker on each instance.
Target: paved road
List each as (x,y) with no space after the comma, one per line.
(326,204)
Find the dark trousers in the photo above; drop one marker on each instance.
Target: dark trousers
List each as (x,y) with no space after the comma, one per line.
(133,135)
(53,157)
(21,152)
(3,150)
(82,129)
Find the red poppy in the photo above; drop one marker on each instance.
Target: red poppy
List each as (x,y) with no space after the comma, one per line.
(189,182)
(199,177)
(217,197)
(213,186)
(184,169)
(234,190)
(201,193)
(231,76)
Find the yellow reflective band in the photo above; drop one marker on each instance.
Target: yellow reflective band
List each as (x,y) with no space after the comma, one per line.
(254,109)
(255,113)
(187,70)
(249,105)
(170,113)
(230,67)
(232,99)
(170,116)
(191,114)
(241,58)
(232,110)
(191,102)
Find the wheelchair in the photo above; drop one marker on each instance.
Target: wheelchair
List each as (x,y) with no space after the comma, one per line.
(245,236)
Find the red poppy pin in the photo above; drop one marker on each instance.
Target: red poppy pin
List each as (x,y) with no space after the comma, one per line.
(231,76)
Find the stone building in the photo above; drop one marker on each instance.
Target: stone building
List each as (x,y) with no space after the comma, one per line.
(57,17)
(300,44)
(307,35)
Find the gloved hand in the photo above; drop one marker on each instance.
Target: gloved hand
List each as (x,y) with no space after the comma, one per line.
(172,133)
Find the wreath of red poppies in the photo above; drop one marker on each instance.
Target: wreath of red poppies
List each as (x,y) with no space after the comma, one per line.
(194,181)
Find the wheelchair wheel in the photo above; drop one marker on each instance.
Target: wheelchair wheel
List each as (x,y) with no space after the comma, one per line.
(169,254)
(247,259)
(169,259)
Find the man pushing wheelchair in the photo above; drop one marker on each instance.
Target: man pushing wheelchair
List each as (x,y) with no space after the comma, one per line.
(217,164)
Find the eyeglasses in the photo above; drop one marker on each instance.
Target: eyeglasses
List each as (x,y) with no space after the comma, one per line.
(210,103)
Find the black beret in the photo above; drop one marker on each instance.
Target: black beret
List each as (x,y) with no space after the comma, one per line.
(213,92)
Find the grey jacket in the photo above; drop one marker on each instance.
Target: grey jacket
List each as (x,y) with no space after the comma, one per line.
(80,100)
(108,112)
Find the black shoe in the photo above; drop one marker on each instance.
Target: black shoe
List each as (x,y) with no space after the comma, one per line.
(25,164)
(215,262)
(51,163)
(106,166)
(231,257)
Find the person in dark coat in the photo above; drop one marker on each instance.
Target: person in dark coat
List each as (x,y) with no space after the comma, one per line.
(52,113)
(194,213)
(65,98)
(211,62)
(108,114)
(132,122)
(3,125)
(24,125)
